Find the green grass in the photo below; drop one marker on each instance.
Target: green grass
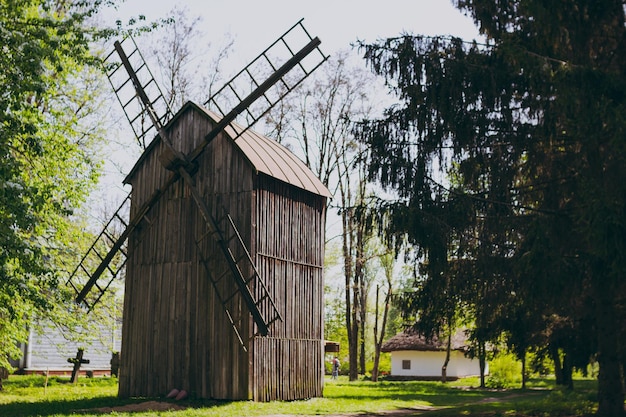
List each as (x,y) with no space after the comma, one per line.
(26,396)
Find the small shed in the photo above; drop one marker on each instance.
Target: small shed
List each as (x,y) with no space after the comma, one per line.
(415,357)
(185,326)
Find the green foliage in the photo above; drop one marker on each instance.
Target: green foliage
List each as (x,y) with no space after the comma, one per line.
(505,371)
(47,147)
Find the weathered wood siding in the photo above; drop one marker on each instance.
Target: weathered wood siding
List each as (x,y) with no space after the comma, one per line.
(175,333)
(289,249)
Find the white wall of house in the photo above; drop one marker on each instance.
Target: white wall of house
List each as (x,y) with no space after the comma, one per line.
(429,363)
(49,350)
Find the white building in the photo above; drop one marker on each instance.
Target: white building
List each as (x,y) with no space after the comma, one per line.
(48,350)
(414,357)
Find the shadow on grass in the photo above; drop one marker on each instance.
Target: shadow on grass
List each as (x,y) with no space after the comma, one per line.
(92,405)
(448,400)
(55,407)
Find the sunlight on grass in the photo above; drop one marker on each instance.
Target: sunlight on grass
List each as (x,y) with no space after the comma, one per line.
(25,396)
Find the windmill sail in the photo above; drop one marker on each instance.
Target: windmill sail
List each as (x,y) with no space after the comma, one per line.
(105,259)
(287,72)
(95,261)
(117,67)
(281,54)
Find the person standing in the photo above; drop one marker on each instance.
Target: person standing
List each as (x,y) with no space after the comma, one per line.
(335,368)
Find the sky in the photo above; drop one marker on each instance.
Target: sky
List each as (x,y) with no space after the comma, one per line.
(255,24)
(338,23)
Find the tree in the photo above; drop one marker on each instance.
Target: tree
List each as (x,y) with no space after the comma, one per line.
(48,159)
(184,58)
(387,262)
(535,114)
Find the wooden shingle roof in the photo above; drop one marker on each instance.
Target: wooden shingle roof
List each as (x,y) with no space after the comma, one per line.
(411,340)
(264,154)
(273,159)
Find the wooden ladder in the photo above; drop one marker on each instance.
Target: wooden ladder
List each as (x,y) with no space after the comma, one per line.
(250,286)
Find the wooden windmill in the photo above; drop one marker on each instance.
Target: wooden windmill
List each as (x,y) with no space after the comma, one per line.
(223,251)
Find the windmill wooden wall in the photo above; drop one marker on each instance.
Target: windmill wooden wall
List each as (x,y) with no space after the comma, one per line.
(175,331)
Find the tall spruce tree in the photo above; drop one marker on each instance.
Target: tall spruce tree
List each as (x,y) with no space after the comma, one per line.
(533,122)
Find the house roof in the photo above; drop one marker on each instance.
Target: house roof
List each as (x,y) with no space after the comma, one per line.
(411,340)
(264,154)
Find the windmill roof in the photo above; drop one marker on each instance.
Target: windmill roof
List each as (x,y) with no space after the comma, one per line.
(412,340)
(264,154)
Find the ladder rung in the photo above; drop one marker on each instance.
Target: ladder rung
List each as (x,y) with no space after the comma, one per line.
(98,253)
(109,56)
(287,46)
(128,103)
(265,296)
(203,236)
(148,82)
(232,88)
(118,89)
(230,239)
(269,61)
(249,280)
(155,100)
(121,219)
(275,319)
(111,238)
(111,271)
(132,53)
(221,276)
(266,99)
(252,77)
(230,297)
(82,266)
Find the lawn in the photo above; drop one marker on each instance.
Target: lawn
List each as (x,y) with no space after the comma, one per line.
(26,396)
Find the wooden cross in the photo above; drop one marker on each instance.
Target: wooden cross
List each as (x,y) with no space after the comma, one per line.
(4,374)
(115,364)
(77,361)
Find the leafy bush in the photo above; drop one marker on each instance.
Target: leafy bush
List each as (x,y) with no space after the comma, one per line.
(505,371)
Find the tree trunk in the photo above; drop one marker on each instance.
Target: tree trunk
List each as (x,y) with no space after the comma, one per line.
(362,349)
(524,369)
(348,269)
(610,378)
(568,370)
(357,306)
(376,349)
(444,368)
(353,348)
(558,370)
(354,334)
(482,362)
(362,321)
(378,341)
